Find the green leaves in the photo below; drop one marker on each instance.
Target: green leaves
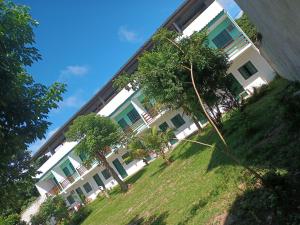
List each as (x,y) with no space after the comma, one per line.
(94,133)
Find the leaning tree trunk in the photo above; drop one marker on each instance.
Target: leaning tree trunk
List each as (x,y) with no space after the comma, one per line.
(163,154)
(227,149)
(123,185)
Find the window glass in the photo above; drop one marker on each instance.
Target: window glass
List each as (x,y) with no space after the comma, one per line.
(79,191)
(178,121)
(126,158)
(87,187)
(106,174)
(123,124)
(233,85)
(163,127)
(70,199)
(82,156)
(223,39)
(98,180)
(133,115)
(247,70)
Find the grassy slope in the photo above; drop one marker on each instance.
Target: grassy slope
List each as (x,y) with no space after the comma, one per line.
(202,183)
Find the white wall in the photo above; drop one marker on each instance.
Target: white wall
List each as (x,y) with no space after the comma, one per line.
(264,75)
(278,22)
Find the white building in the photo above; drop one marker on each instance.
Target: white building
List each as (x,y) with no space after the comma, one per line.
(63,173)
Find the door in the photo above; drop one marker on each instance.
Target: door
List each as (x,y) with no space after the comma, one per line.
(120,168)
(98,180)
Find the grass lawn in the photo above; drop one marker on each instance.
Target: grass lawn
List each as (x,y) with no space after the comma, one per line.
(202,186)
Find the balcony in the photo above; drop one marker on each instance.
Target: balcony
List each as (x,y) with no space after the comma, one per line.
(54,190)
(69,180)
(83,169)
(149,115)
(135,127)
(236,46)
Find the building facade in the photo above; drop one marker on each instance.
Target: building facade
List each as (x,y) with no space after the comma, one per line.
(64,172)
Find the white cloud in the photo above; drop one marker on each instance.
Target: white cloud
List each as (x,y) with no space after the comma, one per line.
(128,35)
(36,145)
(72,101)
(73,70)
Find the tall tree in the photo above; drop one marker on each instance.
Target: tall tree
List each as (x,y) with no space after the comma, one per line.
(178,65)
(24,104)
(96,135)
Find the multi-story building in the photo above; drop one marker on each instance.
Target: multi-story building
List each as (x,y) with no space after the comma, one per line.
(64,173)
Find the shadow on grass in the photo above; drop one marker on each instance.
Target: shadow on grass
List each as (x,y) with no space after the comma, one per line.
(268,206)
(152,220)
(135,177)
(161,168)
(193,211)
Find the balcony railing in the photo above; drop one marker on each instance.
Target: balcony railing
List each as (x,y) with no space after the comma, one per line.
(150,115)
(135,126)
(235,46)
(82,169)
(54,190)
(69,180)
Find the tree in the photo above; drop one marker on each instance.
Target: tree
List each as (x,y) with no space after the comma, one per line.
(175,66)
(138,150)
(249,28)
(53,208)
(163,68)
(96,135)
(24,105)
(157,141)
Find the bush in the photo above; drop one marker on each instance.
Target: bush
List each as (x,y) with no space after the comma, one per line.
(12,219)
(79,216)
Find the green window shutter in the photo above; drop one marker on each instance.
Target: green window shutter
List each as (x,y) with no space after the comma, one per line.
(82,156)
(70,199)
(223,39)
(163,127)
(98,180)
(233,85)
(133,115)
(66,171)
(247,70)
(123,124)
(87,187)
(72,167)
(178,121)
(106,174)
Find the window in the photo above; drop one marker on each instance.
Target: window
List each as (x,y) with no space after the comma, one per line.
(247,70)
(82,156)
(87,187)
(79,192)
(163,127)
(98,180)
(133,115)
(70,199)
(178,121)
(106,174)
(223,39)
(123,124)
(126,158)
(233,85)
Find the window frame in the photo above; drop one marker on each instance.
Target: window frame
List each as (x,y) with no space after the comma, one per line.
(87,184)
(104,174)
(175,123)
(247,67)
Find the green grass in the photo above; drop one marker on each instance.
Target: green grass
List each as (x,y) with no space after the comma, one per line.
(202,183)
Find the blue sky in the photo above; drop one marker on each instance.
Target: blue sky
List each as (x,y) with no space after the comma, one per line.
(85,42)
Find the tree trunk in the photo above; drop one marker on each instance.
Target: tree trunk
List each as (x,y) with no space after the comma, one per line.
(123,185)
(227,149)
(162,152)
(196,122)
